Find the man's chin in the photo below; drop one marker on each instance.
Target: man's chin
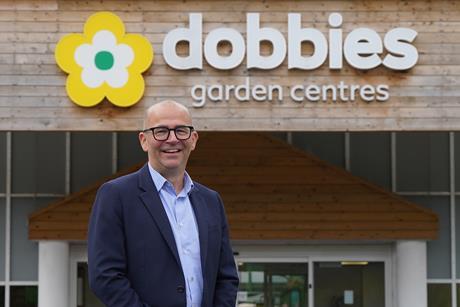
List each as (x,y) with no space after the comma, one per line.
(168,166)
(171,166)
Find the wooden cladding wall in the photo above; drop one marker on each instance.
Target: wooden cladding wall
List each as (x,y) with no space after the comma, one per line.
(426,97)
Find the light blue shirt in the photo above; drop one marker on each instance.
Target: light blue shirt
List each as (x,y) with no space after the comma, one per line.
(185,229)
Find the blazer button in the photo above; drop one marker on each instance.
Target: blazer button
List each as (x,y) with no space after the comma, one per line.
(180,289)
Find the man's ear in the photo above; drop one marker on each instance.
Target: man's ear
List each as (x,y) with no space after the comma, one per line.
(194,138)
(143,141)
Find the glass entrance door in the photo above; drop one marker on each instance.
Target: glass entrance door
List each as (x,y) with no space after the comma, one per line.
(333,284)
(273,284)
(349,284)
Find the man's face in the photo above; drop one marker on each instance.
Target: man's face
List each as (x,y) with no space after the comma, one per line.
(168,157)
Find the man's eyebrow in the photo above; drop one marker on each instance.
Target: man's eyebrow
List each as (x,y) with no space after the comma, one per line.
(164,126)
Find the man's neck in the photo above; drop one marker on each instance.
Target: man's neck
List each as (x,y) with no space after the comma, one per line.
(177,181)
(176,177)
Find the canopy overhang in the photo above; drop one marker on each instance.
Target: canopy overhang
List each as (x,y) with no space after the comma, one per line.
(271,191)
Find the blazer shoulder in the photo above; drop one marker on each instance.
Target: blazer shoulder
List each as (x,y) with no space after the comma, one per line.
(208,194)
(205,190)
(128,181)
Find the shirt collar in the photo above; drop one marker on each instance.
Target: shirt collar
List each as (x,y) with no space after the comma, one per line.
(160,181)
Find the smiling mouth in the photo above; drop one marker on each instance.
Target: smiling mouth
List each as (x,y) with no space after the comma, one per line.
(172,151)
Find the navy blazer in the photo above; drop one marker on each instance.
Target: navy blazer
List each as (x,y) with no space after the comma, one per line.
(132,255)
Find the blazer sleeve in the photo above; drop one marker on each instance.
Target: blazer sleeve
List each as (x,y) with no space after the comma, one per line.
(227,276)
(106,252)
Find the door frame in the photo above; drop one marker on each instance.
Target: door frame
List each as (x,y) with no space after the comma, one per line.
(304,260)
(78,253)
(310,254)
(387,270)
(256,252)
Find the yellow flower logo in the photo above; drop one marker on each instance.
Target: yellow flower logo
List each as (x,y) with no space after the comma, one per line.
(104,62)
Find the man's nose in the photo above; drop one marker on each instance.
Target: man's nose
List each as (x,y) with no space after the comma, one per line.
(172,137)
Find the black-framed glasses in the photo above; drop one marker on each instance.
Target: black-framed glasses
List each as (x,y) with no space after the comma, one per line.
(162,133)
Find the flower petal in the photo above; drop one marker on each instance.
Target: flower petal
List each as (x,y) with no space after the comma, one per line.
(123,54)
(129,94)
(84,55)
(65,47)
(104,21)
(117,78)
(82,95)
(92,77)
(104,40)
(143,52)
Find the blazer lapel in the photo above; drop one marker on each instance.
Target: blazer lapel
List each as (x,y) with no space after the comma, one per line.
(201,215)
(152,203)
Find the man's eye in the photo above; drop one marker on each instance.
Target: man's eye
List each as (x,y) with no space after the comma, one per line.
(182,131)
(161,131)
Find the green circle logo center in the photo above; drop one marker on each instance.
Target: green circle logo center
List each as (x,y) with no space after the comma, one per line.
(104,60)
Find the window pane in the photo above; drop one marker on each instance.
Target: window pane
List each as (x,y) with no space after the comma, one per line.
(2,296)
(457,230)
(129,150)
(273,284)
(24,296)
(422,161)
(337,284)
(370,155)
(2,238)
(279,135)
(2,162)
(457,160)
(458,295)
(24,253)
(85,296)
(326,146)
(91,158)
(439,295)
(38,160)
(438,250)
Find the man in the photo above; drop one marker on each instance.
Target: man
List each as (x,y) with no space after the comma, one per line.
(156,238)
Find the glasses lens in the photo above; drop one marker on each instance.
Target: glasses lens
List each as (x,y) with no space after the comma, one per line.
(161,133)
(182,133)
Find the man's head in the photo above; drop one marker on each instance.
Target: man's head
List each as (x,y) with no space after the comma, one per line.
(168,156)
